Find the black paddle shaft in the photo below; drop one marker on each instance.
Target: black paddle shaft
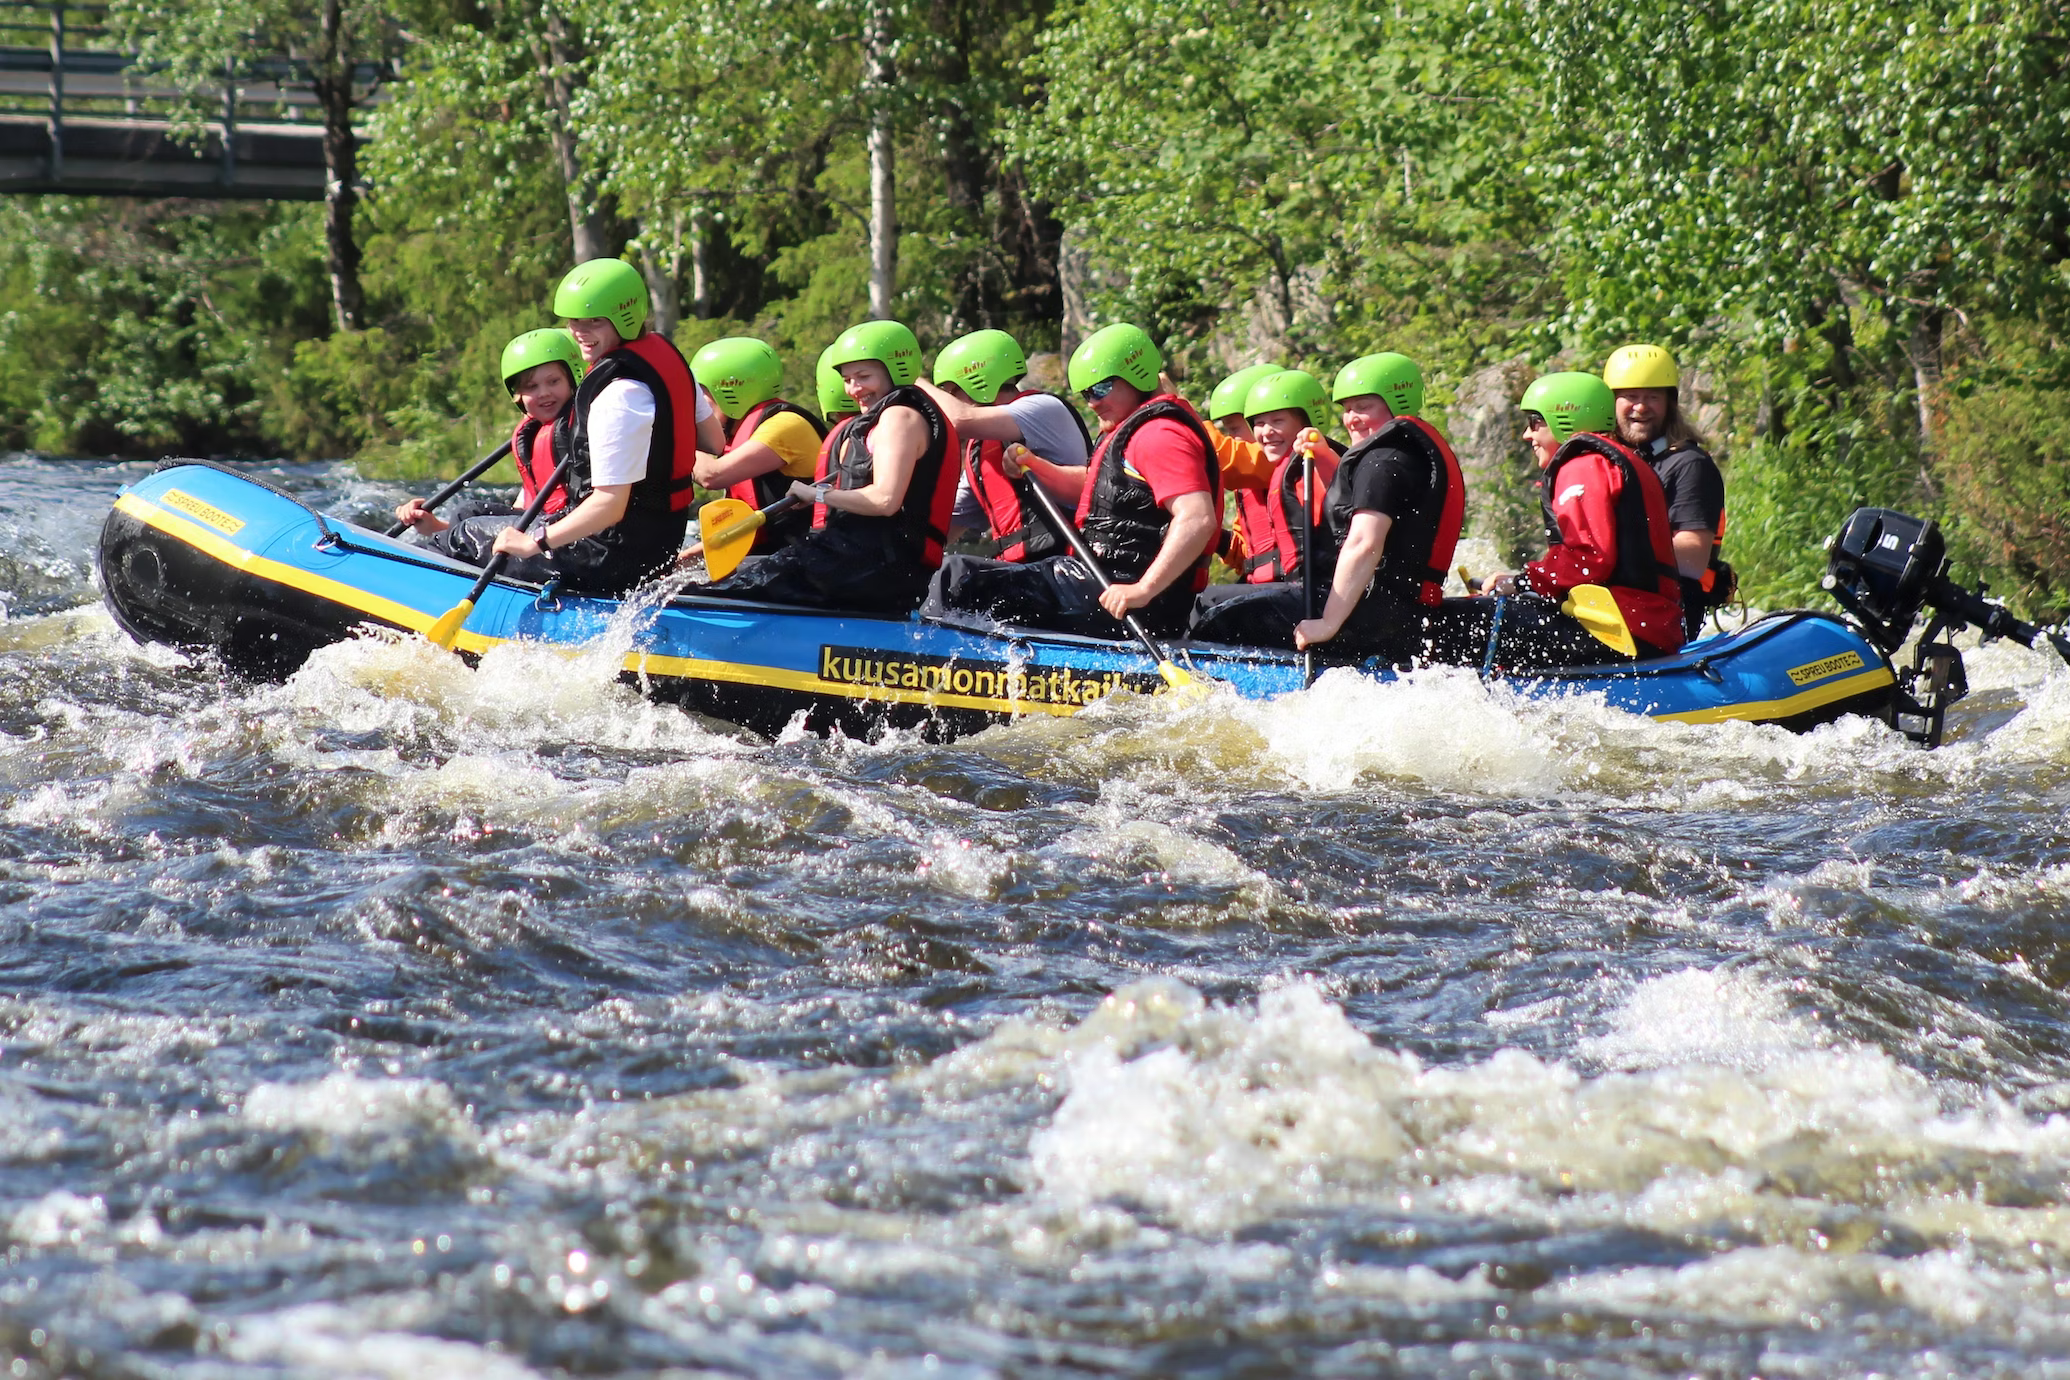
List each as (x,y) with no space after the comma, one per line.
(474,472)
(1070,533)
(1307,551)
(525,519)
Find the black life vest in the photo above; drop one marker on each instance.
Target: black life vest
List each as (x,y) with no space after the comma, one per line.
(1419,575)
(1120,517)
(761,490)
(666,488)
(1645,550)
(536,448)
(922,520)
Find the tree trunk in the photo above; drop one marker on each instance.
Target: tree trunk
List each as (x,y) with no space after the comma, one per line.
(700,267)
(341,166)
(1923,352)
(661,265)
(878,79)
(586,222)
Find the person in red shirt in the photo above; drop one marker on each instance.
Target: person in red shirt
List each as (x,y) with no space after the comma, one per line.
(1613,532)
(1149,505)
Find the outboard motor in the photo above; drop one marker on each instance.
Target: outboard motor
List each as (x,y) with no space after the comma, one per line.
(1884,567)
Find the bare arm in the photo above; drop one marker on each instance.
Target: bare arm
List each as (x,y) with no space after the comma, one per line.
(1193,527)
(972,421)
(602,509)
(1693,551)
(899,441)
(1364,545)
(711,433)
(722,471)
(1067,482)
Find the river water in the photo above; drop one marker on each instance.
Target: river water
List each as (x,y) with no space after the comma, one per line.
(407,1019)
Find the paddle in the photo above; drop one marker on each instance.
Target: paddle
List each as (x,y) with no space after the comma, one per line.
(726,527)
(1310,439)
(475,471)
(1595,608)
(446,631)
(1173,675)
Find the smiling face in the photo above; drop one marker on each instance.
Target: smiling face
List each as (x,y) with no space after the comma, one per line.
(1113,407)
(866,380)
(596,336)
(1539,437)
(1364,415)
(543,390)
(1278,430)
(1641,414)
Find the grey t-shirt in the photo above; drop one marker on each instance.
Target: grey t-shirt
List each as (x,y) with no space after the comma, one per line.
(1047,428)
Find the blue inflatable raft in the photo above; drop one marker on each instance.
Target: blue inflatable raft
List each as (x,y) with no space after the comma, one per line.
(206,558)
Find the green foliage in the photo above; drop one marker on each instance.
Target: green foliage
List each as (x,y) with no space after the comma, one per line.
(1848,216)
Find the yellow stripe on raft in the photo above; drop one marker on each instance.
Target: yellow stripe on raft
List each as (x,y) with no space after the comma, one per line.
(736,673)
(640,663)
(1801,703)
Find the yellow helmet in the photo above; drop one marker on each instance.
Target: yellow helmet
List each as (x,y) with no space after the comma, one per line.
(1641,366)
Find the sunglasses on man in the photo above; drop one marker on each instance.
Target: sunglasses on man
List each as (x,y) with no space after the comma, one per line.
(1099,390)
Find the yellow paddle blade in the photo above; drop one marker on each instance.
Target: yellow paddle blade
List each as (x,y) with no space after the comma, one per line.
(727,528)
(1595,608)
(446,631)
(1175,675)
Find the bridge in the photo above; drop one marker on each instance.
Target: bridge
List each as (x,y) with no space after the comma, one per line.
(79,115)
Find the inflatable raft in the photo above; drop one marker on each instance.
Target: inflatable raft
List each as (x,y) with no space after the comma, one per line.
(202,557)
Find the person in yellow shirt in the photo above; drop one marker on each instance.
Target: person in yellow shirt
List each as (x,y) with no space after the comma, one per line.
(769,442)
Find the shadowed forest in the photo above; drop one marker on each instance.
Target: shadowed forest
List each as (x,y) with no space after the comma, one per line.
(1850,219)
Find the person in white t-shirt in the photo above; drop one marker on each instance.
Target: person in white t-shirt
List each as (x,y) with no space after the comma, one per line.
(977,383)
(634,431)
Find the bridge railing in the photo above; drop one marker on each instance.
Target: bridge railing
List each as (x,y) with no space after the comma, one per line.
(64,69)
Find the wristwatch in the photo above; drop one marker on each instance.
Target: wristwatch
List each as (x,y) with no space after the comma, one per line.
(545,549)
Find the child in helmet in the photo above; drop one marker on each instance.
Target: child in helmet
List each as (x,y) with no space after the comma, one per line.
(1613,532)
(769,442)
(541,369)
(887,481)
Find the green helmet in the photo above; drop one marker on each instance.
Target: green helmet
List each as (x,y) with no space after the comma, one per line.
(535,348)
(1227,400)
(833,393)
(610,288)
(1394,377)
(887,342)
(1571,403)
(1119,351)
(739,371)
(981,363)
(1295,388)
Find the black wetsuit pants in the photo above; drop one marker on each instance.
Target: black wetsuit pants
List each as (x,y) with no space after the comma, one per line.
(1399,630)
(1531,634)
(1058,593)
(831,569)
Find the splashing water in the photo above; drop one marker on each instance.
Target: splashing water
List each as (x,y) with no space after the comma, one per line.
(411,1018)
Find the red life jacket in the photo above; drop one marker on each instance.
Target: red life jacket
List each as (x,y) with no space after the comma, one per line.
(1015,521)
(1643,578)
(1119,514)
(666,488)
(532,451)
(761,490)
(923,517)
(1254,529)
(1280,544)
